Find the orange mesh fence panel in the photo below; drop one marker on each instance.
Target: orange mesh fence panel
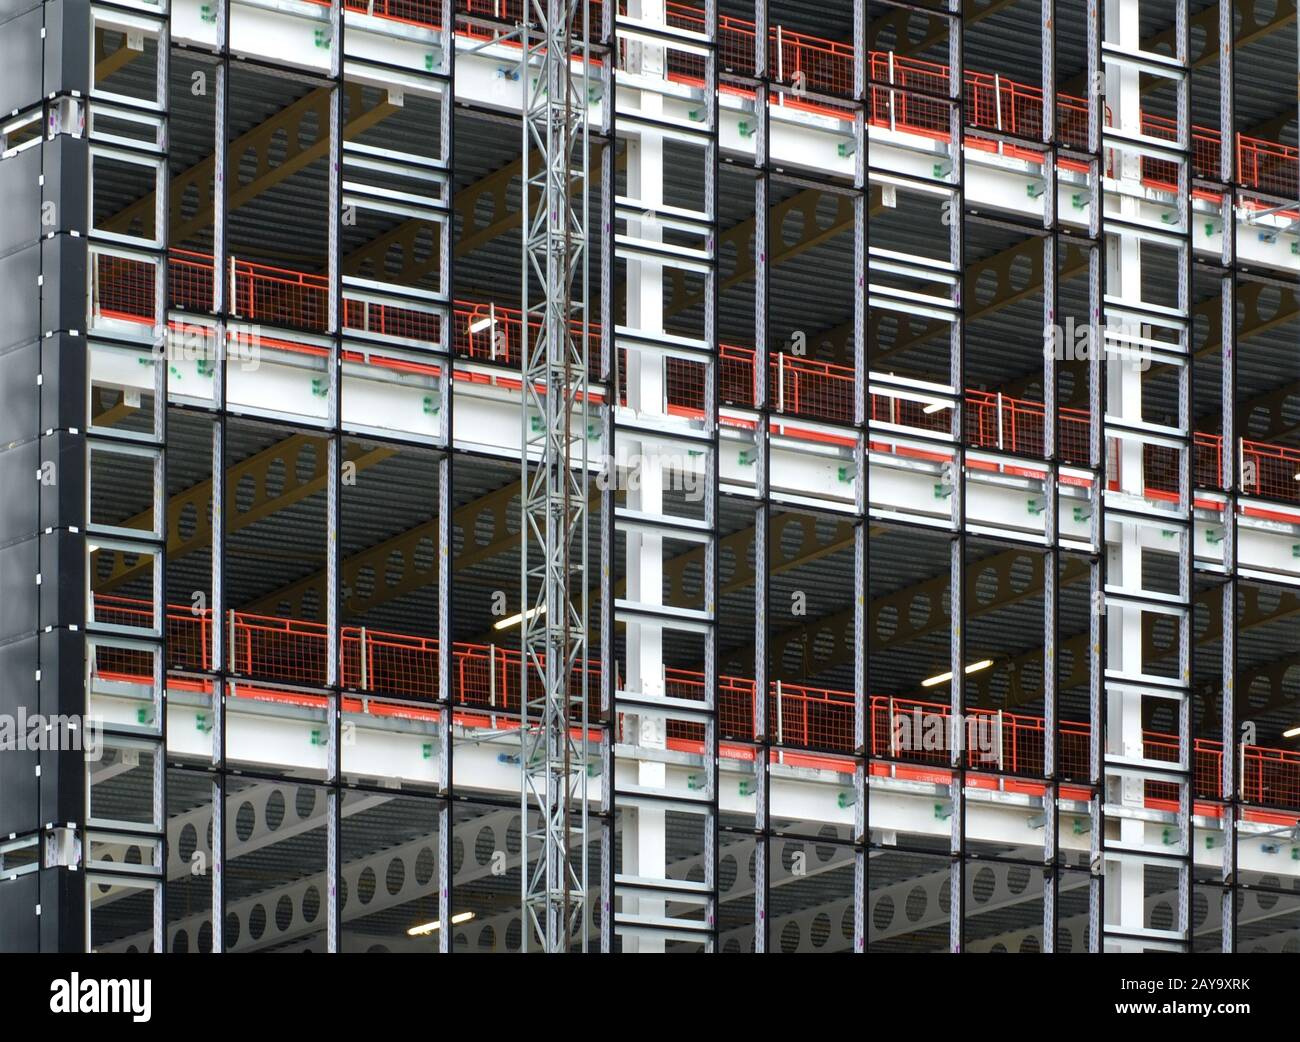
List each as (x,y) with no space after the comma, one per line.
(189,639)
(124,287)
(189,280)
(392,663)
(810,717)
(425,13)
(1269,166)
(280,649)
(1072,121)
(735,375)
(391,320)
(1207,768)
(123,611)
(817,390)
(280,296)
(800,716)
(1073,428)
(1073,750)
(1270,471)
(1208,459)
(684,384)
(1270,776)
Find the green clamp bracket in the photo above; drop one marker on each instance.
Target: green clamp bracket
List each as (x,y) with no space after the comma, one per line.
(1034,189)
(746,787)
(1078,200)
(426,751)
(1082,514)
(321,37)
(1035,506)
(316,738)
(1209,228)
(846,148)
(320,387)
(201,723)
(943,811)
(747,457)
(846,474)
(845,799)
(1295,549)
(1214,536)
(746,129)
(942,491)
(206,366)
(206,13)
(431,408)
(695,782)
(1082,826)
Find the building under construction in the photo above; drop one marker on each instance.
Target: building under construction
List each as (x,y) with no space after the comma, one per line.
(649,475)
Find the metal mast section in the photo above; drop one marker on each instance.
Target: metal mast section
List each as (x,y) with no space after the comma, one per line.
(555,76)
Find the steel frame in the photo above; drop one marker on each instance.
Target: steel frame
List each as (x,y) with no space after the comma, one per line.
(554,466)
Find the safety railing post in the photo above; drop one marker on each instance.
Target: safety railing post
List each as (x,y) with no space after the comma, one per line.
(893,117)
(364,653)
(780,724)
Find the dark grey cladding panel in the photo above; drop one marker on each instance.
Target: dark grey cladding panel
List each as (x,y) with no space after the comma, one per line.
(62,486)
(63,579)
(63,910)
(19,923)
(64,360)
(19,297)
(18,606)
(63,290)
(18,783)
(19,504)
(20,188)
(62,693)
(67,186)
(20,61)
(67,47)
(19,395)
(13,8)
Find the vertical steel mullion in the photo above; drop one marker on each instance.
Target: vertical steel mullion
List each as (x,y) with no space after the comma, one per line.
(446,502)
(221,652)
(161,233)
(712,580)
(1098,461)
(1187,548)
(763,507)
(862,498)
(1051,485)
(611,371)
(333,509)
(957,561)
(1229,790)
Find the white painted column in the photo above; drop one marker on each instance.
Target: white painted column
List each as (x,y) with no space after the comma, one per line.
(1125,898)
(645,830)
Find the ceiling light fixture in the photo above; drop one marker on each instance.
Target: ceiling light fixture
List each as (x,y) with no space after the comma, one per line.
(943,678)
(424,929)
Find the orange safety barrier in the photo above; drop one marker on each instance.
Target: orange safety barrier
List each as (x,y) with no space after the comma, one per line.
(796,386)
(821,66)
(800,716)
